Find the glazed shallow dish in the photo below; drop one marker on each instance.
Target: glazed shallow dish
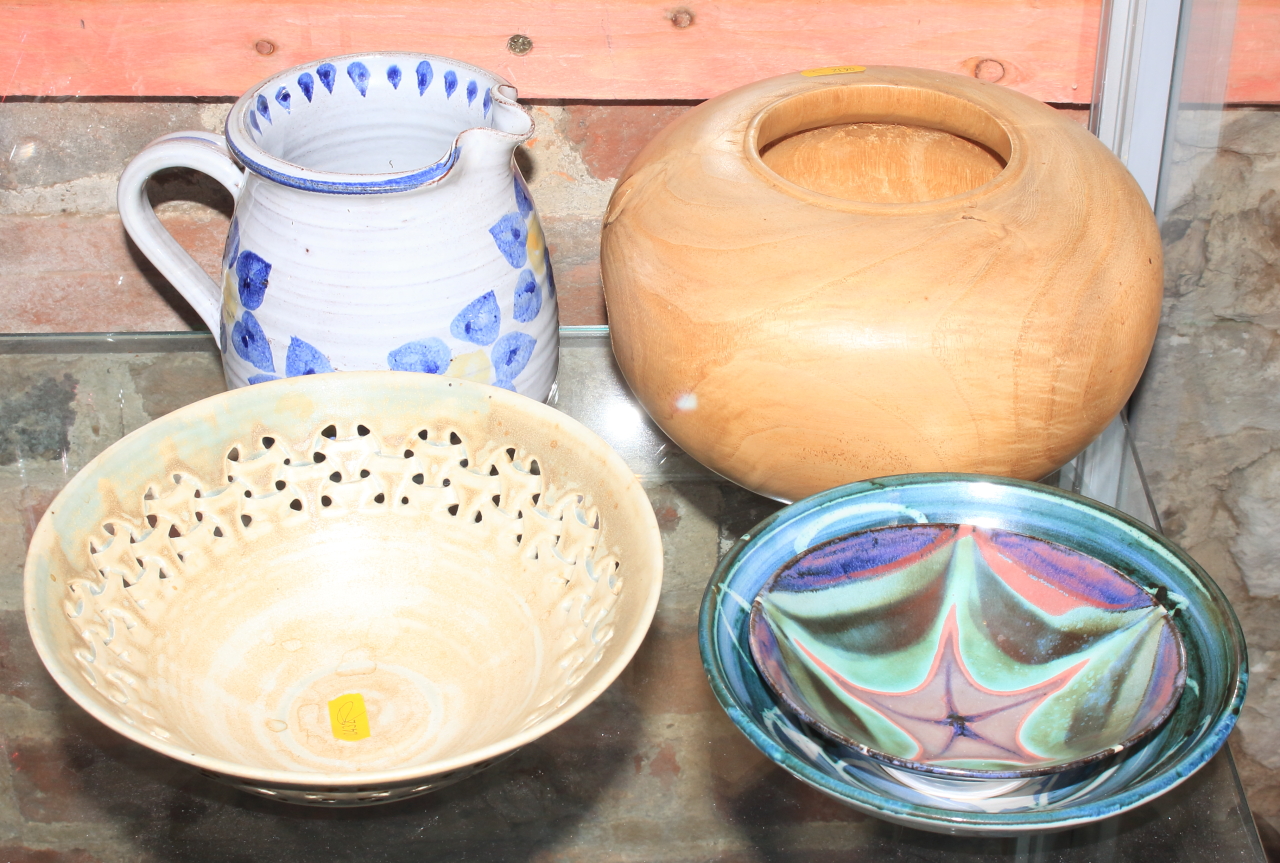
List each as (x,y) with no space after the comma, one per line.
(967,652)
(348,588)
(1215,659)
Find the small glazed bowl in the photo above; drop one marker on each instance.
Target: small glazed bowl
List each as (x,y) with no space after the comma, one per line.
(1214,656)
(966,652)
(348,588)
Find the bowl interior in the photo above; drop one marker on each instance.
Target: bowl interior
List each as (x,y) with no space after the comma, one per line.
(1197,727)
(966,651)
(880,144)
(374,577)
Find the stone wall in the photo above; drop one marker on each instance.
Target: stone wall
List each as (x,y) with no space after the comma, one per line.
(1207,415)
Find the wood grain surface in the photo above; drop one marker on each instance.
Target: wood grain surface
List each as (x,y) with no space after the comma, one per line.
(597,49)
(588,49)
(1254,71)
(882,162)
(793,340)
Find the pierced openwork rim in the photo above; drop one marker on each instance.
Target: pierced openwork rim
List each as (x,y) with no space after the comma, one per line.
(339,386)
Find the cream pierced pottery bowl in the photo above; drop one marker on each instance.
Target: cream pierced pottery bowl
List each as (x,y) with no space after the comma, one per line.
(347,588)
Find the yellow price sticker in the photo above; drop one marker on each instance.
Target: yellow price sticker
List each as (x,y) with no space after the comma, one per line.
(832,70)
(348,718)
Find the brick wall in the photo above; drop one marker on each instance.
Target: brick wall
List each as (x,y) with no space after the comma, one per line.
(67,266)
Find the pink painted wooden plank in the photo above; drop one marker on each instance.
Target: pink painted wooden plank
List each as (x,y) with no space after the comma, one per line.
(1254,75)
(587,49)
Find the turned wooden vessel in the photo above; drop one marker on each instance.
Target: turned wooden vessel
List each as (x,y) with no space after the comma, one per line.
(822,278)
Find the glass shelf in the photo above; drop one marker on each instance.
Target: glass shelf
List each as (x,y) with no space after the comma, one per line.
(652,771)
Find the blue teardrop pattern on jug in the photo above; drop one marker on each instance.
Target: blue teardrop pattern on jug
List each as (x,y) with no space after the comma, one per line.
(328,74)
(509,356)
(359,74)
(251,343)
(304,359)
(431,356)
(511,233)
(528,299)
(523,202)
(253,272)
(479,322)
(232,250)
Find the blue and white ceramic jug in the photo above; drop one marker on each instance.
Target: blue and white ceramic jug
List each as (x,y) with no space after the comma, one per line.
(380,223)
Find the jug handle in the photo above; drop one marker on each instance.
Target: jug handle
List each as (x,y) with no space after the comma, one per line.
(204,152)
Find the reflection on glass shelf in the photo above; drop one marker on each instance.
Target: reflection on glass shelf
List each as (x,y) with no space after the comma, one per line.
(592,390)
(1110,472)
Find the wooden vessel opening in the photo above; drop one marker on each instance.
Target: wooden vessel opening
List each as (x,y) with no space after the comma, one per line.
(881,144)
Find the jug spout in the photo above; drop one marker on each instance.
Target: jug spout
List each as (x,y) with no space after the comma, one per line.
(509,115)
(491,146)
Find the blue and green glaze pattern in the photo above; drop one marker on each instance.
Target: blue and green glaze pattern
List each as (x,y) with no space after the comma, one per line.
(1215,660)
(956,649)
